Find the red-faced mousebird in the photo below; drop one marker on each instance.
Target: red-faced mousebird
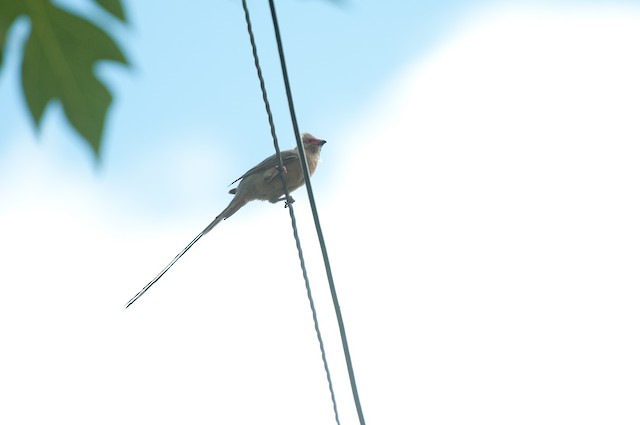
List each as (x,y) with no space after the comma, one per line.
(259,183)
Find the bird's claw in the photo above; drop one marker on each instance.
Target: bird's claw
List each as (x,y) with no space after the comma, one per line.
(288,201)
(279,171)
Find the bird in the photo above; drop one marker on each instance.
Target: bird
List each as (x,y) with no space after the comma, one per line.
(261,183)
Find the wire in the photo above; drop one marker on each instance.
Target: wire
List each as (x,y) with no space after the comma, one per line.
(289,203)
(316,219)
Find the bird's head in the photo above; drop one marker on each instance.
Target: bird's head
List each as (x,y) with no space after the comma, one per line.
(311,142)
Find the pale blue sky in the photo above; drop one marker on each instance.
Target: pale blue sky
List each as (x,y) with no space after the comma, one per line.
(192,73)
(193,90)
(477,194)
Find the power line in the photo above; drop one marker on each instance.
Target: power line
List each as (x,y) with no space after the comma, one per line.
(316,219)
(289,204)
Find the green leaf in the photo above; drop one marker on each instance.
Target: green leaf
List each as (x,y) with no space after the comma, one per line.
(114,7)
(9,12)
(59,58)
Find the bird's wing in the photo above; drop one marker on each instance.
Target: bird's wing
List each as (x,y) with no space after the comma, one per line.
(272,162)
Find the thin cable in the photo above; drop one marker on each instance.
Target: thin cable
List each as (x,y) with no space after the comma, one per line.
(316,219)
(289,204)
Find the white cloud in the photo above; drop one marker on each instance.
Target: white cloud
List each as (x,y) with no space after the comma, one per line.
(486,231)
(484,240)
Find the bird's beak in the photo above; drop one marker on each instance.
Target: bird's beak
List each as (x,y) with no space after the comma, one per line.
(317,142)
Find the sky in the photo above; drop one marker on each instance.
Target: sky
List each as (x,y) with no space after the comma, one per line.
(477,194)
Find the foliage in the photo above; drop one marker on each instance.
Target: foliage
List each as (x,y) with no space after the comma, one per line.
(59,58)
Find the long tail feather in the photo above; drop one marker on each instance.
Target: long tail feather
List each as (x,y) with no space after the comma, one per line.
(167,267)
(234,206)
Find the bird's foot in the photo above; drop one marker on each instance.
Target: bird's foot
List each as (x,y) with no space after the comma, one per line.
(278,172)
(289,201)
(286,200)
